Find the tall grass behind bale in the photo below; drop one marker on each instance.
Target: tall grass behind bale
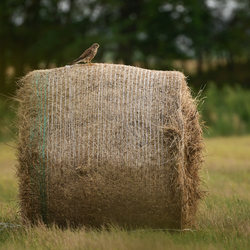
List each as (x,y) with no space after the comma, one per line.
(227,111)
(7,114)
(108,144)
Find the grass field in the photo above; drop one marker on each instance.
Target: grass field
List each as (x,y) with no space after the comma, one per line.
(223,221)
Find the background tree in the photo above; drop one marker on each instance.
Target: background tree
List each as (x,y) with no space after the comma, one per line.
(151,33)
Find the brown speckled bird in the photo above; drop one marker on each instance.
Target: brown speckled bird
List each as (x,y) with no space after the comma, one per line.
(87,55)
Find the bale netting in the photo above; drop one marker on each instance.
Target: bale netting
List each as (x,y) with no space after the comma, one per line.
(109,144)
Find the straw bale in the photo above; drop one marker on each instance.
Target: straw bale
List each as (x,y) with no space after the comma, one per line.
(108,144)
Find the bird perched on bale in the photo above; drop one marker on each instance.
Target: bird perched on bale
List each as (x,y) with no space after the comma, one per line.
(87,55)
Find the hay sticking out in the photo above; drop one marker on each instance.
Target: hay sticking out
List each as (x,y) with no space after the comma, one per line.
(108,144)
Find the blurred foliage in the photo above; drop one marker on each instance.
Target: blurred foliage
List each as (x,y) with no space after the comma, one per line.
(156,34)
(149,33)
(226,111)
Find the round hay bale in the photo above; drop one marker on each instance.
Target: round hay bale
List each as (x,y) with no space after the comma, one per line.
(108,144)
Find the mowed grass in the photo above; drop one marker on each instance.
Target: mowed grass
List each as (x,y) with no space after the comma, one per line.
(222,223)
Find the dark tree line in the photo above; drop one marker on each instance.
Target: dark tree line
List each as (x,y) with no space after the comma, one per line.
(153,33)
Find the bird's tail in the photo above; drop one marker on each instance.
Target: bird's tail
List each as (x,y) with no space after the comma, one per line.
(75,61)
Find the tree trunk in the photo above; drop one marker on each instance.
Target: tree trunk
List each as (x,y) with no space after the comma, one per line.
(2,68)
(199,63)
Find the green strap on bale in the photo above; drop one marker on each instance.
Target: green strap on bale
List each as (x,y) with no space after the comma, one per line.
(38,129)
(32,134)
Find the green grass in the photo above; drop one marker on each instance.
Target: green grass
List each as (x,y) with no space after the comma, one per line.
(223,221)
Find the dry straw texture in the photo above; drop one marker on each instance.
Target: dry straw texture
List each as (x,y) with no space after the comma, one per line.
(108,144)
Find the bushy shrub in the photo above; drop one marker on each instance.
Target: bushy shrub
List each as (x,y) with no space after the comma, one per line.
(226,111)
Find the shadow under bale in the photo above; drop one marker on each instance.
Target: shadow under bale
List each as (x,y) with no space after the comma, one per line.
(108,144)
